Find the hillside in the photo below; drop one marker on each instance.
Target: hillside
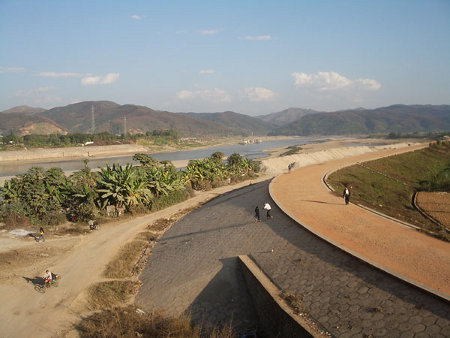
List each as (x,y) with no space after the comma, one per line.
(24,109)
(22,124)
(396,118)
(240,123)
(110,116)
(286,116)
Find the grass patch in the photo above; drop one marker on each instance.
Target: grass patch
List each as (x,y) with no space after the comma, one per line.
(132,322)
(388,184)
(107,295)
(294,302)
(127,322)
(173,197)
(292,150)
(122,265)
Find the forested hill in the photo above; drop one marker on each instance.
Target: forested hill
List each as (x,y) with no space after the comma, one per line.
(241,123)
(113,118)
(396,118)
(286,116)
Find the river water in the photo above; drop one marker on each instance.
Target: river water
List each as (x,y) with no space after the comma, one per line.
(251,151)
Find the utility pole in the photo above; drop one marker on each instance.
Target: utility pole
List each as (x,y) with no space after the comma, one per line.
(93,120)
(124,126)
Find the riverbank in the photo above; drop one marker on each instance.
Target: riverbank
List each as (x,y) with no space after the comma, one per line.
(111,151)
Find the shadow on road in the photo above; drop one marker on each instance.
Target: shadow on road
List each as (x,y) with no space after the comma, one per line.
(225,300)
(35,281)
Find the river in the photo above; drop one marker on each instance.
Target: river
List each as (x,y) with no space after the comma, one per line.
(251,151)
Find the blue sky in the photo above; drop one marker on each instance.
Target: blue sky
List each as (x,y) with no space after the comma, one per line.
(251,57)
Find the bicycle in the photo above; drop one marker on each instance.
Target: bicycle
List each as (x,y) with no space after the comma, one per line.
(42,287)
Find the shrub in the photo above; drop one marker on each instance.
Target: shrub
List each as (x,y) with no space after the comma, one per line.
(173,197)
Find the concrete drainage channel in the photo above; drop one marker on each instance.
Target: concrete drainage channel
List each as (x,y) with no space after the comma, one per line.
(276,317)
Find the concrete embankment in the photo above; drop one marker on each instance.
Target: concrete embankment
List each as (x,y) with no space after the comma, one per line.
(73,152)
(278,165)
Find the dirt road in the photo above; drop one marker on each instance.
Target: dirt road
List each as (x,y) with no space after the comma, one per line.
(80,261)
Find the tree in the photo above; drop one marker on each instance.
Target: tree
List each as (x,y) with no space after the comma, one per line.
(145,160)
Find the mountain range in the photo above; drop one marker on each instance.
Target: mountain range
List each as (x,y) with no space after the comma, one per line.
(112,117)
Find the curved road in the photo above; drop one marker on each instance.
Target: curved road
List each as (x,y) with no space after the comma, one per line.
(408,253)
(193,269)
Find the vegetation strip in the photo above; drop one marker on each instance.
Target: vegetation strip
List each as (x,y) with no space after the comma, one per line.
(48,197)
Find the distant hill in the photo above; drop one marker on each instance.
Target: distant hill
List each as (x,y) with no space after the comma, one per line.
(286,116)
(21,124)
(110,116)
(24,109)
(396,118)
(239,123)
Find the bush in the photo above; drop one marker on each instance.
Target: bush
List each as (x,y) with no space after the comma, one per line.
(164,201)
(13,215)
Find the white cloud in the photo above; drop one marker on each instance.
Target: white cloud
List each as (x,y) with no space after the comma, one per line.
(110,78)
(332,81)
(211,31)
(211,95)
(96,80)
(90,80)
(137,17)
(257,94)
(12,69)
(258,38)
(207,71)
(58,75)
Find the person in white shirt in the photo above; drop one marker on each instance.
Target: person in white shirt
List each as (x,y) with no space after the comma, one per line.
(268,208)
(48,277)
(346,195)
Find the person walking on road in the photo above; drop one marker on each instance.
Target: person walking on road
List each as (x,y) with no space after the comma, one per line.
(257,217)
(346,195)
(268,208)
(41,234)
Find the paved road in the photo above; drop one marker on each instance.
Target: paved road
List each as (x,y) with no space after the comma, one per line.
(193,269)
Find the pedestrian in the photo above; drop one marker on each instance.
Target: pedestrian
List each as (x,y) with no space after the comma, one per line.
(41,234)
(268,208)
(290,166)
(257,217)
(346,195)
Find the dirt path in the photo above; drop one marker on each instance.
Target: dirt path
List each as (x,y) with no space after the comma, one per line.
(389,244)
(80,261)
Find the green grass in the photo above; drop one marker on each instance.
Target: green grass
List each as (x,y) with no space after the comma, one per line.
(388,184)
(292,150)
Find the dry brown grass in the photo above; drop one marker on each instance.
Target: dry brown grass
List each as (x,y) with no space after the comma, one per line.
(128,322)
(160,224)
(107,295)
(28,256)
(122,265)
(294,302)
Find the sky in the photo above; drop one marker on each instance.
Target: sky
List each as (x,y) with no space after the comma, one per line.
(249,56)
